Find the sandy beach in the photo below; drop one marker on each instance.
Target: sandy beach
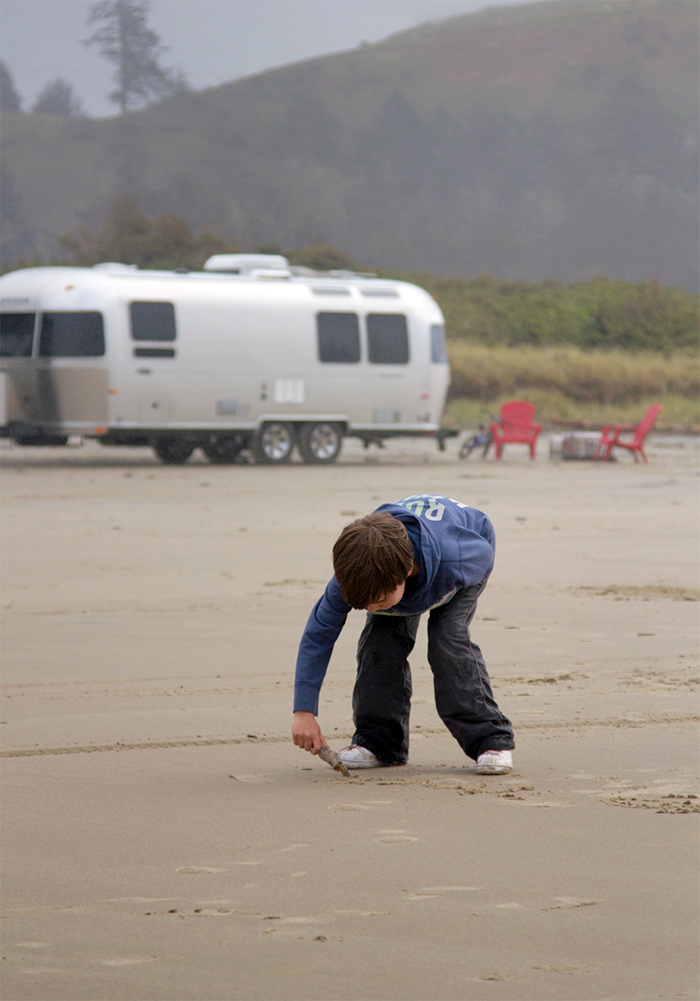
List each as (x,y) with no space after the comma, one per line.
(162,838)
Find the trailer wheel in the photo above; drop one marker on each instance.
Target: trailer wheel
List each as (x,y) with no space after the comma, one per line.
(320,443)
(224,449)
(274,443)
(173,451)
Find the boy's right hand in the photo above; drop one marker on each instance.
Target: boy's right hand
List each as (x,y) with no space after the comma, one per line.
(306,733)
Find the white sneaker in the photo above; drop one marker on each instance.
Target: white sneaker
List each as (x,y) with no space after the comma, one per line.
(355,756)
(494,763)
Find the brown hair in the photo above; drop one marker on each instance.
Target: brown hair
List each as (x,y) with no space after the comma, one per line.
(371,557)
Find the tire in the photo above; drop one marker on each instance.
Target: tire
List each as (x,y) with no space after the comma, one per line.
(225,449)
(274,443)
(468,447)
(482,441)
(173,451)
(320,443)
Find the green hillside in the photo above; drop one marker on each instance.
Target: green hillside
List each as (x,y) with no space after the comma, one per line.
(554,140)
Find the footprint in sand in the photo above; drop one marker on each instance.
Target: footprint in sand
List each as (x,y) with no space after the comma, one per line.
(126,960)
(430,892)
(196,870)
(365,914)
(572,902)
(252,779)
(302,921)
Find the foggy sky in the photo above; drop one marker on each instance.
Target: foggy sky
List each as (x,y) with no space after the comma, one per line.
(212,41)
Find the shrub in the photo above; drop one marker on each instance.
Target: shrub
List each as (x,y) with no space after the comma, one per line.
(637,316)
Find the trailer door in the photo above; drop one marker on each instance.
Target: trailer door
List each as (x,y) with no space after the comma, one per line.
(71,377)
(153,352)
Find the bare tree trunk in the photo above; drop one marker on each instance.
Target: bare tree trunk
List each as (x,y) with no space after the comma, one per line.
(122,63)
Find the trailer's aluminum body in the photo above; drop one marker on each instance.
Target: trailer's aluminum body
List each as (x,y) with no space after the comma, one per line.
(129,356)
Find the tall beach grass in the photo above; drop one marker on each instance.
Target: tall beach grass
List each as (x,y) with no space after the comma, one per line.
(571,385)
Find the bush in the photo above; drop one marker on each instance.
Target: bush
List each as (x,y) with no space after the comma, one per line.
(132,237)
(636,316)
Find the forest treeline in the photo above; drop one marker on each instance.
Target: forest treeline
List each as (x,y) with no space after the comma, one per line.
(600,314)
(597,350)
(532,142)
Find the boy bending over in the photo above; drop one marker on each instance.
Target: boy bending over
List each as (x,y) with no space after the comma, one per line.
(424,553)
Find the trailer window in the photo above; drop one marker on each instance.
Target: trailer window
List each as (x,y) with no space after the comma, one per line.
(438,344)
(72,335)
(16,335)
(153,321)
(338,337)
(387,338)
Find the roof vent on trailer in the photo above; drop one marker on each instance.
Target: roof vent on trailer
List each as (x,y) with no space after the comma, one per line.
(243,264)
(114,266)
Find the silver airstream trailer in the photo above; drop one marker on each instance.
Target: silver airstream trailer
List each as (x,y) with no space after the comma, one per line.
(249,354)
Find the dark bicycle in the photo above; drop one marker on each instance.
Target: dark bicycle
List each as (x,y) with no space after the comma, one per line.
(482,439)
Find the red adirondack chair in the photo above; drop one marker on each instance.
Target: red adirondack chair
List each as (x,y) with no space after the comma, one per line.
(516,424)
(610,437)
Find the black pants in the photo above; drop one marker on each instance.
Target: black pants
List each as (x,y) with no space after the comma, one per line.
(381,699)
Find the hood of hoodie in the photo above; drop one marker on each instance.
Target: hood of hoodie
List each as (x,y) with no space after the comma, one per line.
(453,546)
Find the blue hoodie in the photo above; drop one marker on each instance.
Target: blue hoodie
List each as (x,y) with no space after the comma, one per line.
(454,547)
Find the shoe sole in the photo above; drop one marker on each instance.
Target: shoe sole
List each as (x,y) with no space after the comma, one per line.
(361,764)
(493,771)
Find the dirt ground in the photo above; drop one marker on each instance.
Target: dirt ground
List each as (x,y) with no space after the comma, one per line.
(162,838)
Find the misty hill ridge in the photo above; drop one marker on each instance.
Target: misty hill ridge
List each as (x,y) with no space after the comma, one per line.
(554,140)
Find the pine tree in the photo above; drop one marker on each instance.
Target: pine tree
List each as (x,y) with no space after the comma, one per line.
(124,38)
(9,98)
(58,98)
